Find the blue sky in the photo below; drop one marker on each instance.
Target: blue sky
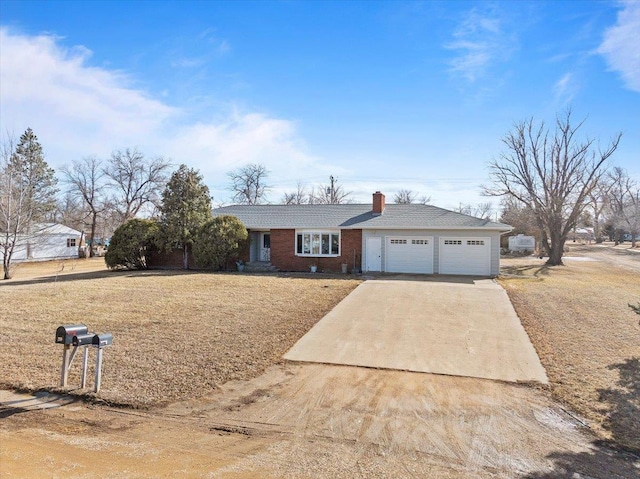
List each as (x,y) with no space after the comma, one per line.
(382,95)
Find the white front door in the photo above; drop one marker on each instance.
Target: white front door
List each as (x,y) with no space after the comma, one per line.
(374,254)
(265,247)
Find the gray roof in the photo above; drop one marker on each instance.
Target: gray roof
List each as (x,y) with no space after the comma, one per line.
(354,216)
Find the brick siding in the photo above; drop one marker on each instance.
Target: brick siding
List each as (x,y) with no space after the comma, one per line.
(283,255)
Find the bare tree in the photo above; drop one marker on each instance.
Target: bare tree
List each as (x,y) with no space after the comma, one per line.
(519,216)
(551,173)
(86,182)
(27,193)
(138,181)
(424,200)
(331,194)
(598,201)
(298,197)
(624,203)
(481,210)
(248,184)
(404,197)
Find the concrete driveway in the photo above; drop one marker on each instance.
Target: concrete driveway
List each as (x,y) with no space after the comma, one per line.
(444,327)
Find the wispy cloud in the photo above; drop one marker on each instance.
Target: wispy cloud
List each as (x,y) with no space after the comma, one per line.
(620,45)
(480,41)
(565,89)
(77,109)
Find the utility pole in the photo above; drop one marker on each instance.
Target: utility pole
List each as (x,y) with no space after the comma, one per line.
(332,197)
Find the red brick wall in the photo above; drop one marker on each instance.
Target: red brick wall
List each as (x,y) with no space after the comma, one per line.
(283,254)
(169,259)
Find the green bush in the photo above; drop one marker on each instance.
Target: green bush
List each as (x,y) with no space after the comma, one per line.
(131,244)
(218,242)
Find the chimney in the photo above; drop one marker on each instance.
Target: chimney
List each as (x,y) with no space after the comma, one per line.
(378,203)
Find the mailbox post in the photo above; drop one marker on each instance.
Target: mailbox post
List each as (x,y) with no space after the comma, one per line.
(65,336)
(100,341)
(77,335)
(83,340)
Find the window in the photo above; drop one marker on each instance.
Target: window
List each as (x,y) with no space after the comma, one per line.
(71,242)
(318,243)
(453,242)
(420,241)
(475,242)
(398,241)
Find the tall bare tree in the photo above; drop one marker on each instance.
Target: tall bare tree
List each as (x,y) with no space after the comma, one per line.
(329,194)
(248,184)
(27,193)
(598,200)
(138,181)
(86,180)
(552,173)
(624,202)
(298,197)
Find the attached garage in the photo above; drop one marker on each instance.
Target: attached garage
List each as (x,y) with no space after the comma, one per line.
(469,256)
(409,254)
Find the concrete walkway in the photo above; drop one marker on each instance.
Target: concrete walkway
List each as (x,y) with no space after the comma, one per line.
(462,329)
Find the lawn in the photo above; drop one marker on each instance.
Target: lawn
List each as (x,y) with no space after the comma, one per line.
(177,334)
(587,338)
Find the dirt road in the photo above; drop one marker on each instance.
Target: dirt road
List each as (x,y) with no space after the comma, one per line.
(313,421)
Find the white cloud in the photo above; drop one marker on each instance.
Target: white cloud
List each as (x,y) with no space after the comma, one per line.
(565,89)
(620,45)
(480,41)
(77,110)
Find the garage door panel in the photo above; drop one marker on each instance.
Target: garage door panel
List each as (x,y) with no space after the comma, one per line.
(466,256)
(406,254)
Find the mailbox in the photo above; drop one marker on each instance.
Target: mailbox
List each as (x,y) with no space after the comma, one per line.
(82,339)
(65,334)
(102,340)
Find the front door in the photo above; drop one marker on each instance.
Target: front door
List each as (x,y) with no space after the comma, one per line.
(265,247)
(374,254)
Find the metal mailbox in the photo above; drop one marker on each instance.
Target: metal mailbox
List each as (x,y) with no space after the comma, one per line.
(102,340)
(65,334)
(82,339)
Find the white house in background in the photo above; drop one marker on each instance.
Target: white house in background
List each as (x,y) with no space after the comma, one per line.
(49,241)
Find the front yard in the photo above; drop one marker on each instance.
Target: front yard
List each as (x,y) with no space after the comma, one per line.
(176,334)
(587,338)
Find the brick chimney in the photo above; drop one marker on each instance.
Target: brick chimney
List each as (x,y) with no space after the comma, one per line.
(378,203)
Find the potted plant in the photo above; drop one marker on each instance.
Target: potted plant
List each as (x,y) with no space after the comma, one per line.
(313,267)
(240,265)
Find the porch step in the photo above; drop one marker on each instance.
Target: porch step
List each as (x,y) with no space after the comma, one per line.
(260,267)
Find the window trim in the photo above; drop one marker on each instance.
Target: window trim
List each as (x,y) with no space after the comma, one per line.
(320,233)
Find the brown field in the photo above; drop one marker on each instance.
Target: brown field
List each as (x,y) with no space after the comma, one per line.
(587,338)
(177,334)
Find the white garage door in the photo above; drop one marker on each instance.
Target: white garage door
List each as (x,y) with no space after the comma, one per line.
(409,254)
(470,256)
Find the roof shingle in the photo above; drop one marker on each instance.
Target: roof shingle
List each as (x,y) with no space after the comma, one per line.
(354,216)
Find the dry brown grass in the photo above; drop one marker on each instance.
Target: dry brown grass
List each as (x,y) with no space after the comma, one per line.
(176,334)
(587,337)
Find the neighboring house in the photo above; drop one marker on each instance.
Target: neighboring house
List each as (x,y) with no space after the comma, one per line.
(48,241)
(388,238)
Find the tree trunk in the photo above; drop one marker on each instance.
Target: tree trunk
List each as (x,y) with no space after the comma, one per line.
(94,220)
(556,249)
(185,257)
